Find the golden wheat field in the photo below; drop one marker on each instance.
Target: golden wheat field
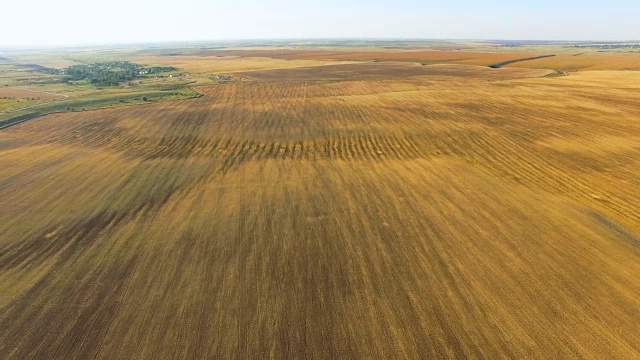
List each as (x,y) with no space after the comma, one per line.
(330,210)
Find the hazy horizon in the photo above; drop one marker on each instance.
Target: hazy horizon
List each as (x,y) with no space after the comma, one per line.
(293,42)
(74,23)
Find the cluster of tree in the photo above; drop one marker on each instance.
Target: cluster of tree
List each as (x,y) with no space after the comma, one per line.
(110,73)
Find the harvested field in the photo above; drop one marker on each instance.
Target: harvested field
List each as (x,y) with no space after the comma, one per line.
(228,64)
(372,210)
(12,99)
(627,82)
(564,60)
(588,61)
(390,70)
(6,92)
(425,57)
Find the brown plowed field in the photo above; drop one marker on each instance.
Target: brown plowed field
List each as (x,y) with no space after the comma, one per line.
(451,213)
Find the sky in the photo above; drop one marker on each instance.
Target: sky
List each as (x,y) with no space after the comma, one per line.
(89,22)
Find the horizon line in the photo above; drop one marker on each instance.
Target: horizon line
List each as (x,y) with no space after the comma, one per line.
(240,40)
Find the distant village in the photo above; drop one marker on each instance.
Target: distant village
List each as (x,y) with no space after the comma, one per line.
(111,73)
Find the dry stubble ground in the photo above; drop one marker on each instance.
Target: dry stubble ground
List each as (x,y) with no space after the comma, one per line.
(338,212)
